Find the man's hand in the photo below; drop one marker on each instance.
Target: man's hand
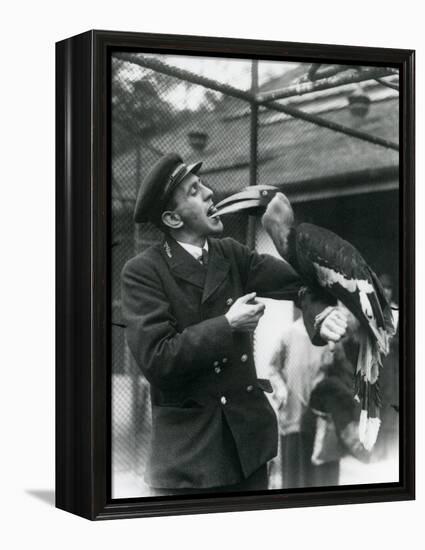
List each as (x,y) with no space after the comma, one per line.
(333,327)
(245,313)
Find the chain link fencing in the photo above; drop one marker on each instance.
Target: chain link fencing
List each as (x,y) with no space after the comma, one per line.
(158,107)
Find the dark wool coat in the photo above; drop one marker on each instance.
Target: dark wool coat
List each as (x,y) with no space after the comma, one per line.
(212,425)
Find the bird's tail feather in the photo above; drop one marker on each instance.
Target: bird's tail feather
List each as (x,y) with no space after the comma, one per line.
(367,389)
(386,308)
(382,339)
(368,430)
(369,359)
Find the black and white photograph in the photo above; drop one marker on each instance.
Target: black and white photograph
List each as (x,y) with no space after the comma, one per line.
(211,240)
(255,275)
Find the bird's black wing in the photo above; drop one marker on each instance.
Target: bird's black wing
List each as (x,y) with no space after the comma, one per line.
(338,267)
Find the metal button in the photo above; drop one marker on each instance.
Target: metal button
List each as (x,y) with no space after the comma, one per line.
(224,360)
(249,388)
(264,193)
(217,370)
(223,400)
(229,301)
(215,363)
(244,358)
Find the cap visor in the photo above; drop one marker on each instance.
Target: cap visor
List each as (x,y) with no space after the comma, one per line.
(194,168)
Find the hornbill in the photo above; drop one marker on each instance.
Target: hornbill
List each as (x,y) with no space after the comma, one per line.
(323,258)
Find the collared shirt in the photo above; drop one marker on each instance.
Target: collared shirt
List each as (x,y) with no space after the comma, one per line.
(195,251)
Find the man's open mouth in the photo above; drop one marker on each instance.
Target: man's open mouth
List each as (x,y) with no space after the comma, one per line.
(211,210)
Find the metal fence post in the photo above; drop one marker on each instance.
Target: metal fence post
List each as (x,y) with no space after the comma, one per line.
(253,153)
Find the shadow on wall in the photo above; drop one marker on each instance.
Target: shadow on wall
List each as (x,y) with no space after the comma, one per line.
(45,495)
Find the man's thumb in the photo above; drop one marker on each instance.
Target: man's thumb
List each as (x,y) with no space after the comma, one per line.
(331,345)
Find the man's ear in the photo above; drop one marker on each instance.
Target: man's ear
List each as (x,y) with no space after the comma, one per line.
(171,219)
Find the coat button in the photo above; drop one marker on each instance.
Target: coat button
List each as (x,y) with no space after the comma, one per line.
(215,363)
(217,370)
(249,388)
(244,358)
(223,400)
(229,301)
(224,360)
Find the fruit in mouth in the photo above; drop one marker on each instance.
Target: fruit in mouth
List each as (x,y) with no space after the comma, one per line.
(211,210)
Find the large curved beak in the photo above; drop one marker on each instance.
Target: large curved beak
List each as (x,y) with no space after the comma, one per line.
(252,200)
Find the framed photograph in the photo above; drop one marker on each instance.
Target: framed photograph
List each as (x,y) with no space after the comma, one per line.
(235,275)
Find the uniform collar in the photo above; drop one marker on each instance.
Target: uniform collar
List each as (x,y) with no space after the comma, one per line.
(184,266)
(195,251)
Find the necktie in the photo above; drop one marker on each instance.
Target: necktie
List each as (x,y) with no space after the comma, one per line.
(204,258)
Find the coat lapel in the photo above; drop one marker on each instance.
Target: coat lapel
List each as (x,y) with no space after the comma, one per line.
(182,264)
(217,270)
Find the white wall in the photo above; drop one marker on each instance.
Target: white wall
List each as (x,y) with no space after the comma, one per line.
(29,30)
(278,315)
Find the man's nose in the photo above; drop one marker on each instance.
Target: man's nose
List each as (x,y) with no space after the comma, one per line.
(207,192)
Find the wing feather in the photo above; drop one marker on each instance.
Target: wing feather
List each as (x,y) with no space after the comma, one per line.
(326,259)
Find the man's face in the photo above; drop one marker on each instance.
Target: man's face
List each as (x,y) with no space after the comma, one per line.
(193,203)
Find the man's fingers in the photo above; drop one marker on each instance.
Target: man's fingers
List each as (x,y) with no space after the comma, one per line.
(335,324)
(337,318)
(338,329)
(328,334)
(255,309)
(255,317)
(250,327)
(343,326)
(248,297)
(340,315)
(252,322)
(338,322)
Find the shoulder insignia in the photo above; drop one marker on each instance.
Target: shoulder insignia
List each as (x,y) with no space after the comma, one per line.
(167,249)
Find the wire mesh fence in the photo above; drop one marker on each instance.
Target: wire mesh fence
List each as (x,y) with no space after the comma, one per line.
(158,107)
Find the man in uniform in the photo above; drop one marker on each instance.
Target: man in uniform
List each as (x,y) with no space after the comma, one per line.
(189,304)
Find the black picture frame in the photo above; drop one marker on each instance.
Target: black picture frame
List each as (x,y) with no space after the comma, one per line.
(82,251)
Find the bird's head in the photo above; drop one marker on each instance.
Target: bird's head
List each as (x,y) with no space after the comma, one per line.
(268,202)
(278,220)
